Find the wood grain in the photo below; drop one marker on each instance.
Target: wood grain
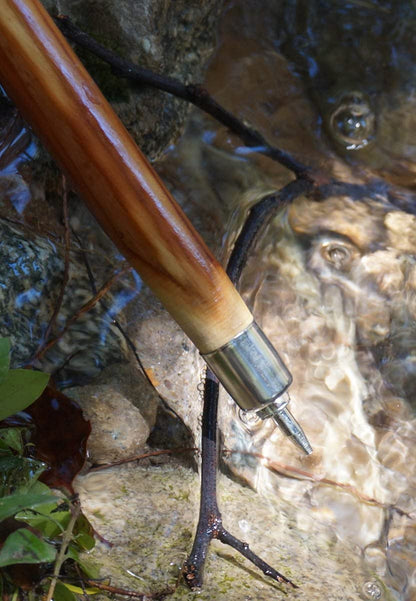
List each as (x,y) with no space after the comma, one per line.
(59,99)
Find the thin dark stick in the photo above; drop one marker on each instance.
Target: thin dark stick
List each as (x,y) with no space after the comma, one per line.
(84,309)
(128,593)
(376,189)
(106,308)
(104,466)
(195,94)
(258,218)
(209,514)
(296,473)
(67,241)
(243,548)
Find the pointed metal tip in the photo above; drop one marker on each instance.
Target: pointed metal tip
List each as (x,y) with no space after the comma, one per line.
(285,420)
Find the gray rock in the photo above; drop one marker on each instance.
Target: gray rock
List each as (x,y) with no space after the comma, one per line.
(121,406)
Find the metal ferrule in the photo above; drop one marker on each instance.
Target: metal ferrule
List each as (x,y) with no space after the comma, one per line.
(250,369)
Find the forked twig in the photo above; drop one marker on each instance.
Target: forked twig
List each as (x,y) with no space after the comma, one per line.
(210,520)
(66,539)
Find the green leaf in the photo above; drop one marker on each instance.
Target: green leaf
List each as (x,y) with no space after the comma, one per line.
(49,525)
(19,389)
(85,541)
(72,552)
(4,448)
(62,593)
(81,591)
(90,570)
(39,488)
(4,357)
(22,546)
(83,525)
(18,473)
(18,501)
(12,437)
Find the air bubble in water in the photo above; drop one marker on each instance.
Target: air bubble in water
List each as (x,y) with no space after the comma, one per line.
(249,418)
(372,590)
(352,122)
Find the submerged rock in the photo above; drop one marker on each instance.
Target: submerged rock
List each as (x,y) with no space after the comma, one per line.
(31,281)
(332,284)
(330,291)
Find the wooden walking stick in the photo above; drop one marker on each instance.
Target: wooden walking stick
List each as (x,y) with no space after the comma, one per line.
(66,109)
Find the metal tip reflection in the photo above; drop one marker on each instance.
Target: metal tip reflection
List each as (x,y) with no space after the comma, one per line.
(285,420)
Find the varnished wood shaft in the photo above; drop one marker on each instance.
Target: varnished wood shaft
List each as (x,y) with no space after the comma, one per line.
(59,99)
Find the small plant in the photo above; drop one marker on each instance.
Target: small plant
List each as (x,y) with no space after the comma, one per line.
(19,388)
(42,532)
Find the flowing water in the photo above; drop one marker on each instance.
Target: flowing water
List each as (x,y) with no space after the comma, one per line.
(333,283)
